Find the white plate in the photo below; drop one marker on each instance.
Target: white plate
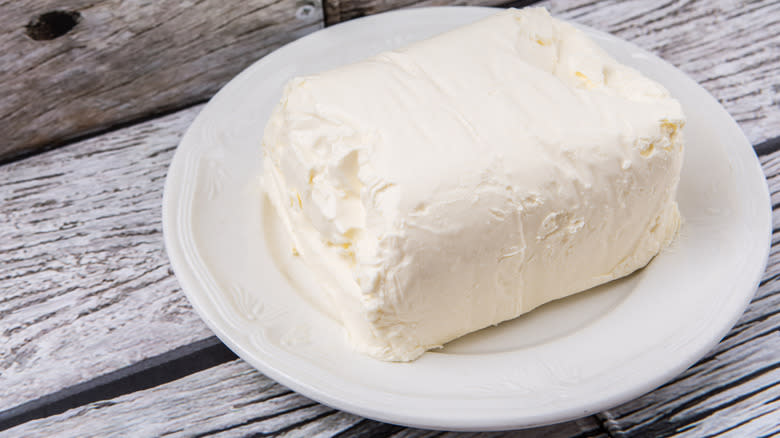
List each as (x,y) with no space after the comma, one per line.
(565,360)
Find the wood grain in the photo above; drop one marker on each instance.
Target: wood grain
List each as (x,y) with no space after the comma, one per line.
(128,59)
(732,48)
(147,373)
(234,400)
(86,285)
(337,11)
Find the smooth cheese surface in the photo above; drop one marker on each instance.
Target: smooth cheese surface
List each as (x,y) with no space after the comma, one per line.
(461,181)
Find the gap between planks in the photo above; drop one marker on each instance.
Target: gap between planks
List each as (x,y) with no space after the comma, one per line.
(169,366)
(232,400)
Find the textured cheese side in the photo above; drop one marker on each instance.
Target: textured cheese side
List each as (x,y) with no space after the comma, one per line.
(461,181)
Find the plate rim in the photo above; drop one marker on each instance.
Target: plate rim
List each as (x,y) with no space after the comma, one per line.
(188,284)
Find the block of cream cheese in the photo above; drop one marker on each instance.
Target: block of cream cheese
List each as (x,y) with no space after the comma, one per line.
(461,181)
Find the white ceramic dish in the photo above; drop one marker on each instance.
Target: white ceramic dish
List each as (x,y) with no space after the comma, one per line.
(565,360)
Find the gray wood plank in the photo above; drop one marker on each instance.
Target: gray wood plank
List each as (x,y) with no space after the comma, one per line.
(234,400)
(86,287)
(127,59)
(337,11)
(732,48)
(147,373)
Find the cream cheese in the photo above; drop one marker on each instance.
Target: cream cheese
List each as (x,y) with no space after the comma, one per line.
(461,181)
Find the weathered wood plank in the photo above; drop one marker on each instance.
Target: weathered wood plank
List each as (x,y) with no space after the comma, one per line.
(127,59)
(147,373)
(732,48)
(337,11)
(735,390)
(234,400)
(86,285)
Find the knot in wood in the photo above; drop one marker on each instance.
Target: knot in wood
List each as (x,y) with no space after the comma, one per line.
(51,25)
(304,11)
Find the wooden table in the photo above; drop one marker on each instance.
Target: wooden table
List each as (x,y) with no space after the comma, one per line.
(97,337)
